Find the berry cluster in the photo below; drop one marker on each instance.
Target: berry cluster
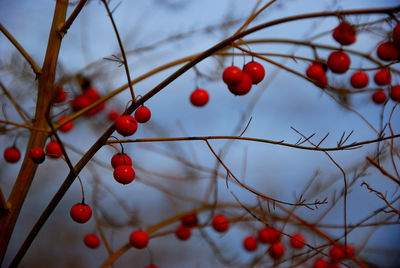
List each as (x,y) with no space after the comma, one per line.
(339,62)
(239,82)
(183,231)
(337,253)
(89,95)
(270,235)
(123,171)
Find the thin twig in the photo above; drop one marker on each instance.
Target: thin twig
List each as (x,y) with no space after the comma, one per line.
(128,76)
(36,69)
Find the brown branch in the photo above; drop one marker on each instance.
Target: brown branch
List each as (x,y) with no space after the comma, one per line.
(354,145)
(4,206)
(36,69)
(382,170)
(45,92)
(125,61)
(65,26)
(25,126)
(344,180)
(381,196)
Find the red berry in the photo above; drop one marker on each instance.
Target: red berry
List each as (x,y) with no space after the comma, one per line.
(80,213)
(126,125)
(80,102)
(396,35)
(379,96)
(340,252)
(142,114)
(338,62)
(320,263)
(220,223)
(297,241)
(359,80)
(387,51)
(323,82)
(189,220)
(182,232)
(232,75)
(250,243)
(124,174)
(268,235)
(139,239)
(60,95)
(243,87)
(113,115)
(344,34)
(37,155)
(255,70)
(151,266)
(91,93)
(276,250)
(68,126)
(382,77)
(91,241)
(53,150)
(199,97)
(395,93)
(121,159)
(315,71)
(12,154)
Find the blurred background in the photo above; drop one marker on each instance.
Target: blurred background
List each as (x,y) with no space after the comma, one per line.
(174,177)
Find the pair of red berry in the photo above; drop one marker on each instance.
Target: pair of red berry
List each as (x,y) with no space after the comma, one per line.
(336,253)
(270,235)
(239,81)
(53,150)
(126,125)
(183,231)
(89,96)
(123,171)
(361,79)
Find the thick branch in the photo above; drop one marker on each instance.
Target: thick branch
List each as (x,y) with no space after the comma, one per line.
(46,91)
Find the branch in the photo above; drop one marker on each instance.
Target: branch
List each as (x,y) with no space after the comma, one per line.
(354,145)
(381,196)
(382,170)
(125,61)
(17,107)
(36,69)
(64,27)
